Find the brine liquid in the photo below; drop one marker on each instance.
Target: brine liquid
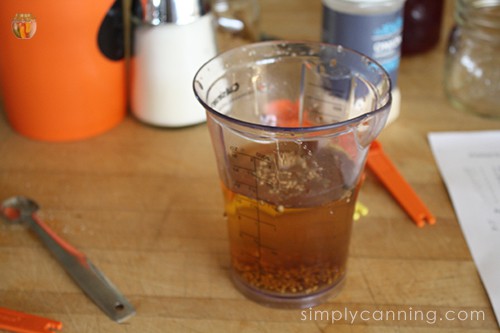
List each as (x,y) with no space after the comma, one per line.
(283,243)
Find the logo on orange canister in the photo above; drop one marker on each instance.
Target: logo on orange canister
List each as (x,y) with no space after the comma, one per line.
(24,25)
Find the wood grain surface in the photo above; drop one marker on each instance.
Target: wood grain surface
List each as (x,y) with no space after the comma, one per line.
(144,204)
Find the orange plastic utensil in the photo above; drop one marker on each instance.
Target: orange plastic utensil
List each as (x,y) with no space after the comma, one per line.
(386,172)
(16,321)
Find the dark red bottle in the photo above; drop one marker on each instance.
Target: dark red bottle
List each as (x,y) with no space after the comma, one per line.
(422,25)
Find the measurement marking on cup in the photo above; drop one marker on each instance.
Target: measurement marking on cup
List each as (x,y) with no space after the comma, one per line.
(239,185)
(257,241)
(257,220)
(238,168)
(247,181)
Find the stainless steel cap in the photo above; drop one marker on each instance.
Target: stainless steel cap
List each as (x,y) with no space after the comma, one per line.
(175,11)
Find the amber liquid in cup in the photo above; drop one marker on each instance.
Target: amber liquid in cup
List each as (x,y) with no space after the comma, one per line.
(289,216)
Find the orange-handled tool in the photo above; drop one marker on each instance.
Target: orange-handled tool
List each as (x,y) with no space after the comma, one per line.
(78,266)
(16,321)
(387,173)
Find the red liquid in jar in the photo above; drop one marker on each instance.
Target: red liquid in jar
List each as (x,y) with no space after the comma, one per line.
(422,25)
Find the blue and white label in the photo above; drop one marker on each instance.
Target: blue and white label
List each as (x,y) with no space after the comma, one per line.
(379,36)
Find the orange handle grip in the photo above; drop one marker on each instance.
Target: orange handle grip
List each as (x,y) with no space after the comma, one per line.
(26,323)
(386,172)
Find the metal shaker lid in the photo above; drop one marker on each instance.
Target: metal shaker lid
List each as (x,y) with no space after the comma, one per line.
(175,11)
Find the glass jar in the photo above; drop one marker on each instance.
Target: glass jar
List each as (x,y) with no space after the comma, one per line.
(237,22)
(422,25)
(472,69)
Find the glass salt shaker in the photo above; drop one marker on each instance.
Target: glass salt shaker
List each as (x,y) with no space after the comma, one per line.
(472,68)
(172,39)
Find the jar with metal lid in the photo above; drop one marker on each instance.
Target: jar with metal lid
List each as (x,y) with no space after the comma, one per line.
(472,69)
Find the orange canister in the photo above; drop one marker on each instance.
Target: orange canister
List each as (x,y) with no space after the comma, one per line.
(62,67)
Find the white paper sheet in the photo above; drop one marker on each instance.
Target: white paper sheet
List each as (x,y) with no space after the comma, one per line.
(469,163)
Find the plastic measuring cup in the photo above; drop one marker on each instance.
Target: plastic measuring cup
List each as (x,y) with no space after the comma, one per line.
(291,124)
